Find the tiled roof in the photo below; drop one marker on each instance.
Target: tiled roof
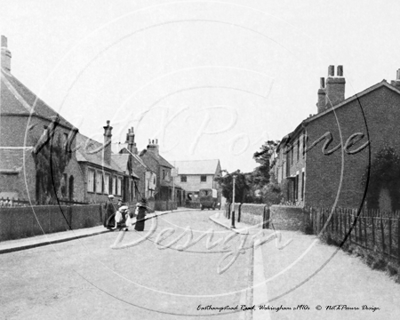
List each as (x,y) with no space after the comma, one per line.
(12,159)
(89,150)
(197,166)
(126,150)
(122,161)
(16,98)
(164,162)
(161,161)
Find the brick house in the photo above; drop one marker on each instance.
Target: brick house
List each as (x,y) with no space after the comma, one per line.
(196,175)
(147,179)
(26,125)
(105,173)
(327,155)
(162,169)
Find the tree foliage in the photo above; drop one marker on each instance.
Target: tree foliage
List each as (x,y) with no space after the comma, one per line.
(261,174)
(241,186)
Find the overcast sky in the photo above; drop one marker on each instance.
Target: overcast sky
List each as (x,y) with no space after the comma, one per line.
(208,79)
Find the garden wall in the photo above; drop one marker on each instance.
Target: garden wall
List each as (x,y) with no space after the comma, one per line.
(21,222)
(286,218)
(252,213)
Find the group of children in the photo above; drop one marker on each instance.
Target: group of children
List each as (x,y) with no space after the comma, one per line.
(122,218)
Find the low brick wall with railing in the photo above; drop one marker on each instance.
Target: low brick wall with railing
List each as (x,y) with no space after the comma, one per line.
(21,222)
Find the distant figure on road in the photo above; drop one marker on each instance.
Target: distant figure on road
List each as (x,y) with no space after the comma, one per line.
(109,219)
(141,214)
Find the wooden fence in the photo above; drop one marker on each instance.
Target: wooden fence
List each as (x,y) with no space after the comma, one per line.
(372,230)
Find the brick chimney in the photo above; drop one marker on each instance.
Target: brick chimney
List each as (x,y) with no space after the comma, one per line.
(107,143)
(153,147)
(5,55)
(131,141)
(321,104)
(334,87)
(396,83)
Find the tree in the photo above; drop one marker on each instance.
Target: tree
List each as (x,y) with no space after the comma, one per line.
(261,174)
(241,186)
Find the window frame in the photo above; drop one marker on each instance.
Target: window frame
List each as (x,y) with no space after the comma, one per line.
(91,182)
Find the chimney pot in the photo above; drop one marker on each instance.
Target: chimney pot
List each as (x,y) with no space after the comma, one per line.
(322,83)
(5,55)
(339,71)
(3,41)
(107,143)
(398,74)
(331,71)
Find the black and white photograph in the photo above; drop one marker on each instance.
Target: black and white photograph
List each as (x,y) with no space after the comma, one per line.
(199,159)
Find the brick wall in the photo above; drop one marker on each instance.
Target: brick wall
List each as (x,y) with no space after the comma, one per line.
(286,218)
(21,222)
(252,213)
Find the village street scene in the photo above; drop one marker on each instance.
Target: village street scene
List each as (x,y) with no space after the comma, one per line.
(199,160)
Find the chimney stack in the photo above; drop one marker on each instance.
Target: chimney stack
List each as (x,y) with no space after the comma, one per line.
(334,87)
(131,141)
(153,147)
(5,55)
(321,96)
(396,83)
(107,143)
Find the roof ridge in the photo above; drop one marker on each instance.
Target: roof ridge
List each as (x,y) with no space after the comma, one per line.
(16,94)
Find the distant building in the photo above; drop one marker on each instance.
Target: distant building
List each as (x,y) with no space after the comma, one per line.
(162,169)
(196,175)
(323,162)
(147,179)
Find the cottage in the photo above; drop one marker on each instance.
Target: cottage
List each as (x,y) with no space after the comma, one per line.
(196,175)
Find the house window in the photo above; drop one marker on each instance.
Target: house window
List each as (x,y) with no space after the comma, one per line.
(119,190)
(107,184)
(302,185)
(183,179)
(203,178)
(64,185)
(298,149)
(114,183)
(90,181)
(98,178)
(304,144)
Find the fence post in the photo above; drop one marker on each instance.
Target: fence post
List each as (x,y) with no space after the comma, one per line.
(365,230)
(398,239)
(390,236)
(373,230)
(383,235)
(350,224)
(359,228)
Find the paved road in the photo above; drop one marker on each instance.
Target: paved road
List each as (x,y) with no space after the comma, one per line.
(152,279)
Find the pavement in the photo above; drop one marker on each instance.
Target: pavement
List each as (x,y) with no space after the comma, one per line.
(57,237)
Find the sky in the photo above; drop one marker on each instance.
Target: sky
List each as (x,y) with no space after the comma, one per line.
(207,79)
